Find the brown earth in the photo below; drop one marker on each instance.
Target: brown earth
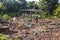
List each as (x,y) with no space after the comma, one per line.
(44,29)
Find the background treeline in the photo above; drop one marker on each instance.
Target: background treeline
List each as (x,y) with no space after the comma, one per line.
(50,8)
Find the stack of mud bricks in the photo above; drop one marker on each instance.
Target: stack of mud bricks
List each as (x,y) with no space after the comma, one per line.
(56,34)
(44,36)
(53,35)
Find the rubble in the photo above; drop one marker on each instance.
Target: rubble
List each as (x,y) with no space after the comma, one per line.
(45,29)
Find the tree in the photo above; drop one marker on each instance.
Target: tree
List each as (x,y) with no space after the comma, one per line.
(14,5)
(31,5)
(48,5)
(2,7)
(57,11)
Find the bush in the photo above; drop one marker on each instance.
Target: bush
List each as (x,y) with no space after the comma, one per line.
(57,12)
(33,15)
(43,14)
(1,4)
(17,38)
(7,17)
(3,37)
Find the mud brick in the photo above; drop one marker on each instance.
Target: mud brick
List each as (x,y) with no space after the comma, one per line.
(59,38)
(47,34)
(47,38)
(41,39)
(36,38)
(55,34)
(55,29)
(31,35)
(42,35)
(53,38)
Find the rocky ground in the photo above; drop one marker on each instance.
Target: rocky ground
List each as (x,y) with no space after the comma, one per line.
(44,29)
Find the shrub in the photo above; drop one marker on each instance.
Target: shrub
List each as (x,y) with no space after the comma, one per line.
(7,17)
(57,12)
(1,4)
(3,37)
(17,38)
(33,15)
(43,14)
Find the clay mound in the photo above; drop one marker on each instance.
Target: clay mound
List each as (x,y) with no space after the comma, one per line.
(44,29)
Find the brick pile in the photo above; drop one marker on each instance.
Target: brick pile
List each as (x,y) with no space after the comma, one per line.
(51,30)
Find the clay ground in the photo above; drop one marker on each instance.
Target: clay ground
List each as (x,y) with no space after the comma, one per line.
(44,29)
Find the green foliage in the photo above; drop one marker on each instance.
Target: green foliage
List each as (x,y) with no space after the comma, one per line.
(13,7)
(43,4)
(17,38)
(1,4)
(42,30)
(7,17)
(57,12)
(33,15)
(3,37)
(48,5)
(15,14)
(31,5)
(2,7)
(52,16)
(43,14)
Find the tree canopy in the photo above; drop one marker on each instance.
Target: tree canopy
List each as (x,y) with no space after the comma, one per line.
(48,5)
